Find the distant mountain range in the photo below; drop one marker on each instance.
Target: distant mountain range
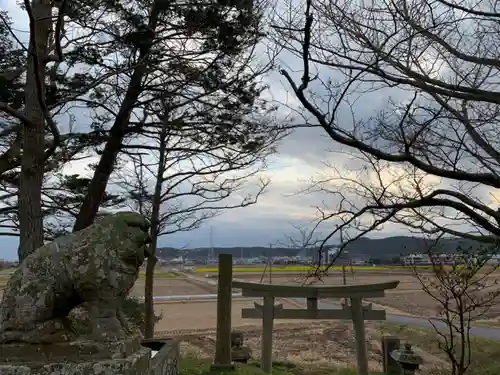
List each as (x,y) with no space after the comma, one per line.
(363,248)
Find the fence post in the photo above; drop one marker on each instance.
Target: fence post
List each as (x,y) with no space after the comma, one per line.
(390,365)
(222,358)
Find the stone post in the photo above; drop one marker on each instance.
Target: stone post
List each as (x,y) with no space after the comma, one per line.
(389,364)
(359,336)
(222,358)
(266,345)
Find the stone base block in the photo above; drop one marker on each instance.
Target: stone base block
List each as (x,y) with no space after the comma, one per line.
(89,358)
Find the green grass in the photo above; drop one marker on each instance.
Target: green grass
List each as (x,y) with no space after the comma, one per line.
(488,323)
(485,354)
(196,366)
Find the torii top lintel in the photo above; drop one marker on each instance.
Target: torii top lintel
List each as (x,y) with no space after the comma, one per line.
(313,291)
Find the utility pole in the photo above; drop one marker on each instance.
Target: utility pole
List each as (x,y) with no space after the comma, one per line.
(211,251)
(270,261)
(344,279)
(268,264)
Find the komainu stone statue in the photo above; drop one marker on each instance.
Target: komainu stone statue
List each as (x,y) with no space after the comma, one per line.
(96,266)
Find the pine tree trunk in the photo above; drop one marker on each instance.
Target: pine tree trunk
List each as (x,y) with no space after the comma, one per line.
(33,158)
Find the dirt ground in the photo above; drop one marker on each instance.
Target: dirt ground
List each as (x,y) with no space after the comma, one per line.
(317,345)
(408,298)
(172,287)
(163,287)
(202,315)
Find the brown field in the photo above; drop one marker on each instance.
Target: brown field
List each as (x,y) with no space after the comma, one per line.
(163,287)
(408,298)
(406,281)
(202,315)
(172,287)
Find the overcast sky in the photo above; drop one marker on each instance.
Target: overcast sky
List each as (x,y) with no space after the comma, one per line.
(300,158)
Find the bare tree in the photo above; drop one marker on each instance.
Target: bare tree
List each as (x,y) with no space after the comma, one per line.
(430,154)
(201,52)
(179,179)
(306,240)
(464,290)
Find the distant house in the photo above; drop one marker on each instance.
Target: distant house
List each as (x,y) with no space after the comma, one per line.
(330,254)
(495,259)
(416,259)
(358,262)
(4,264)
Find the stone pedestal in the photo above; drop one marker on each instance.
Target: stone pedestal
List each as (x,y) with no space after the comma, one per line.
(126,357)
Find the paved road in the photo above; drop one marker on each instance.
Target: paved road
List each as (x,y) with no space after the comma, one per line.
(491,333)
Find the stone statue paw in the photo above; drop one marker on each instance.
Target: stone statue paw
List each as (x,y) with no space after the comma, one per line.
(107,329)
(49,332)
(108,336)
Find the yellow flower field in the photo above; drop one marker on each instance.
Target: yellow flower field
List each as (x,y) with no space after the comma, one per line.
(305,268)
(282,268)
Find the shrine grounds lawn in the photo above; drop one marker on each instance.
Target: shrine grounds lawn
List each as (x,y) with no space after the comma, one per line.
(190,365)
(326,348)
(485,354)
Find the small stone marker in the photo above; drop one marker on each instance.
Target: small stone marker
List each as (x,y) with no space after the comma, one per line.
(390,365)
(239,352)
(407,359)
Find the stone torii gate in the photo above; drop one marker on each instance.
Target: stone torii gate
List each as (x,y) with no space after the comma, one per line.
(355,311)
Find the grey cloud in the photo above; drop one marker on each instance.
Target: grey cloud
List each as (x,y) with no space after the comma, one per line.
(260,232)
(363,103)
(246,229)
(269,220)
